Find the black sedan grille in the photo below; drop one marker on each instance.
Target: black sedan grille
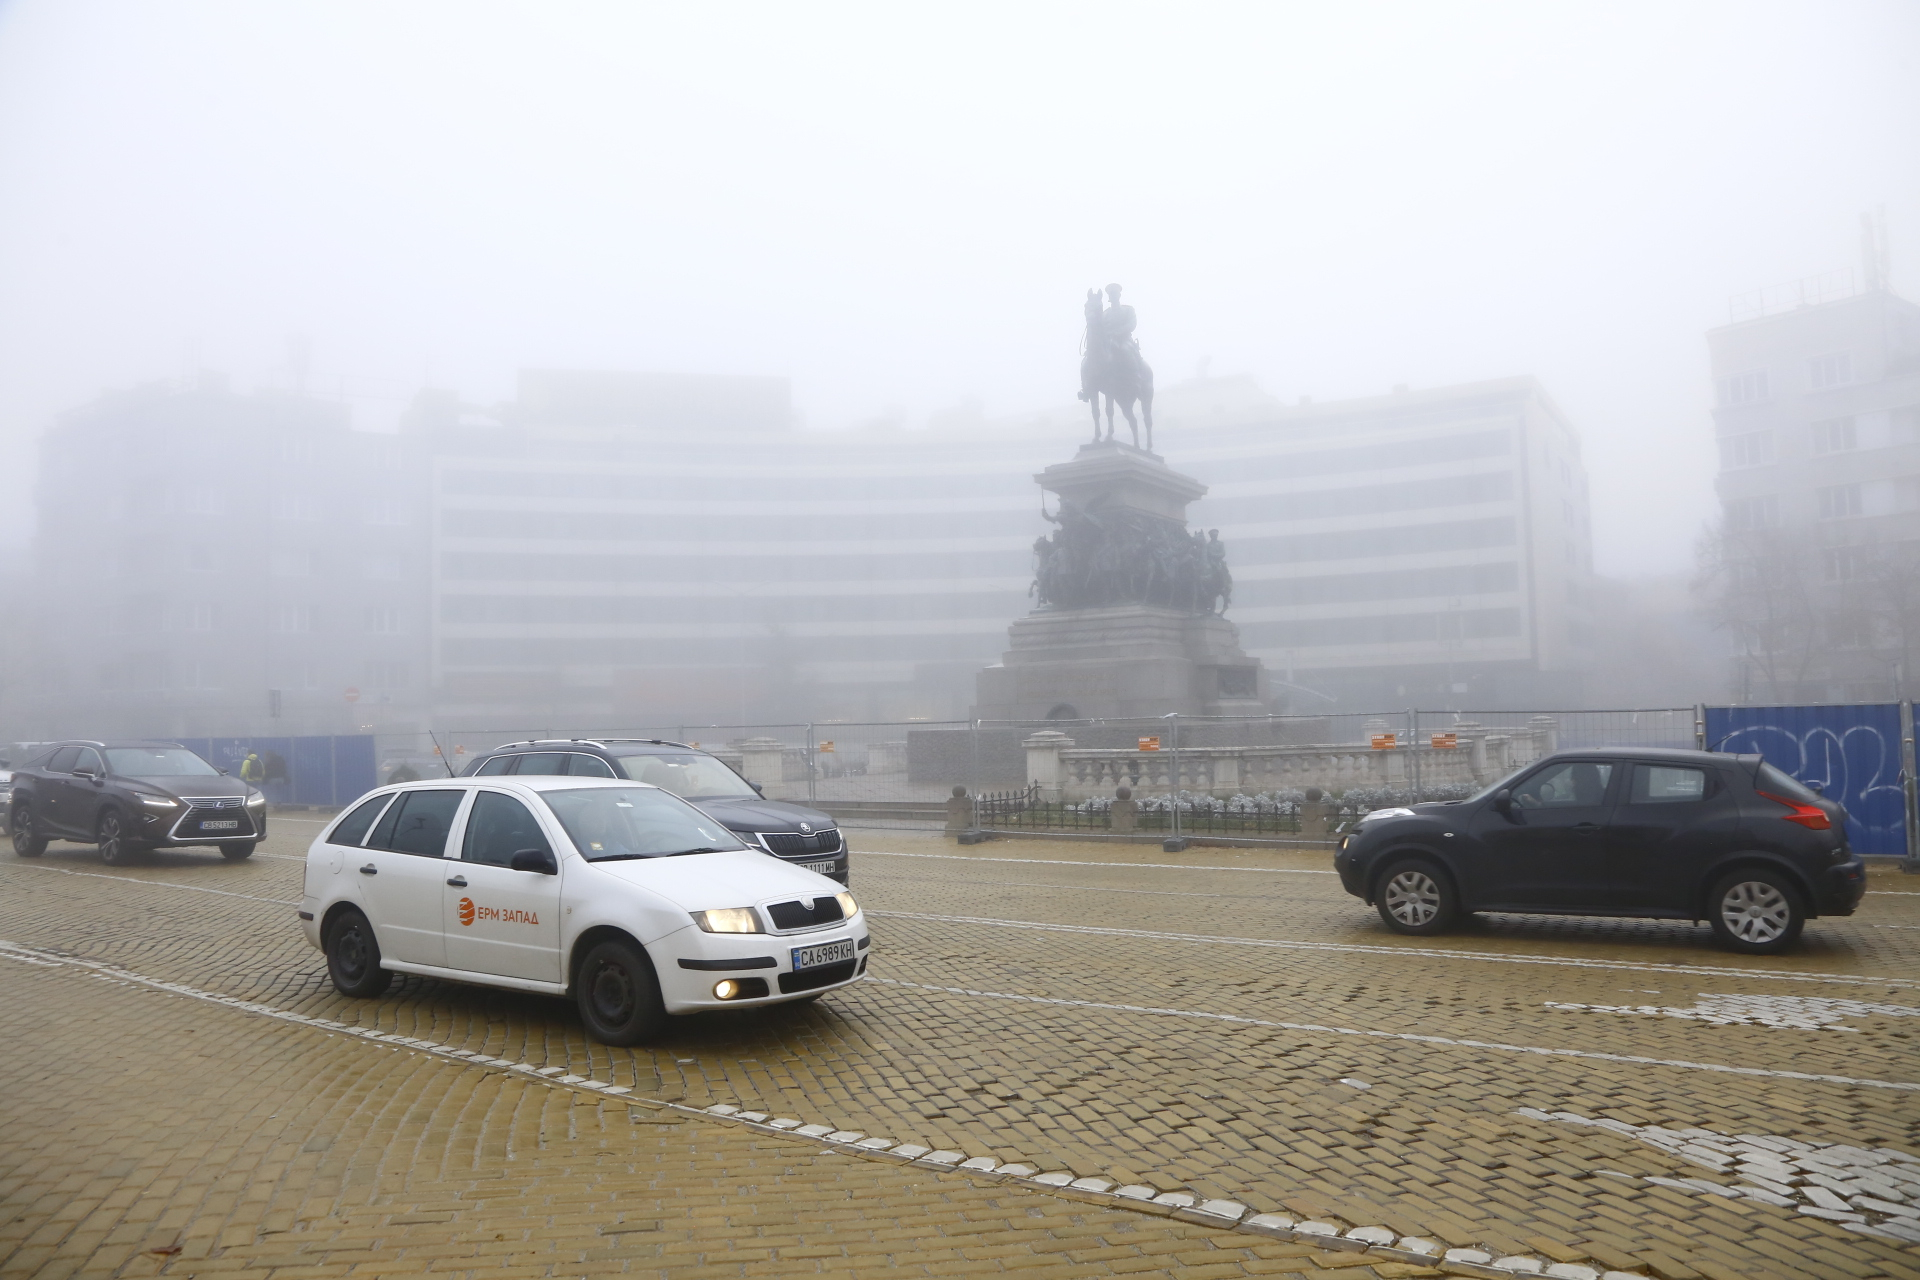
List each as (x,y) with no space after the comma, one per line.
(216,802)
(792,844)
(806,915)
(825,976)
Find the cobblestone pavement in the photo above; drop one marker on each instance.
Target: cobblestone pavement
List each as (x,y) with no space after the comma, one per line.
(1224,1023)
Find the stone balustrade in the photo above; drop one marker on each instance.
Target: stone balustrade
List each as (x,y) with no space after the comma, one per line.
(1065,772)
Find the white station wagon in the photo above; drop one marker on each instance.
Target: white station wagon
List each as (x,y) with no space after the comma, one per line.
(619,894)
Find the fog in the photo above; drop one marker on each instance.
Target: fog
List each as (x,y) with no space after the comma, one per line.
(1437,299)
(900,208)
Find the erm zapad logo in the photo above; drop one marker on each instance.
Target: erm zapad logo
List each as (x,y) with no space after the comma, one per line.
(469,911)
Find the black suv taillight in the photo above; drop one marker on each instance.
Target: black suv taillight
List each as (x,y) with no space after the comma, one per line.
(1805,815)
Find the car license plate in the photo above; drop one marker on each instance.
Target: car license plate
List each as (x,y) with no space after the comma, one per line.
(220,824)
(824,868)
(825,953)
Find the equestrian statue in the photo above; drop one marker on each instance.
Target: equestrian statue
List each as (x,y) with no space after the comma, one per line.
(1111,366)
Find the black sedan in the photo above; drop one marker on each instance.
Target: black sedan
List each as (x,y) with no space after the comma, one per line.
(1679,835)
(128,796)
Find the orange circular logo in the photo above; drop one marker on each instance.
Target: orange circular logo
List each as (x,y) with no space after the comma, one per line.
(466,911)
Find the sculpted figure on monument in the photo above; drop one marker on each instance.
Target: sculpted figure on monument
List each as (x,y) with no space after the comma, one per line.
(1112,366)
(1099,557)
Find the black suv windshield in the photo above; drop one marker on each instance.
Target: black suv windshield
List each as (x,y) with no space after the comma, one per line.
(158,762)
(689,774)
(609,823)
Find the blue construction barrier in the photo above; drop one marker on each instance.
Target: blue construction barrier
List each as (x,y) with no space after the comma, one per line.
(1852,752)
(318,770)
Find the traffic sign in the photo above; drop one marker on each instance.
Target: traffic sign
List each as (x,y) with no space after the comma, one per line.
(1149,744)
(352,694)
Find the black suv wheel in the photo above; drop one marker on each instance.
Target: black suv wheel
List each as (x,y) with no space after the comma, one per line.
(26,842)
(1756,912)
(111,835)
(619,995)
(1416,897)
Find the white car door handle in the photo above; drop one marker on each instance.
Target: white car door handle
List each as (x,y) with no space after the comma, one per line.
(369,870)
(458,882)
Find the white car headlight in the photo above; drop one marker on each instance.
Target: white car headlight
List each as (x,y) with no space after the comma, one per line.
(847,905)
(1386,813)
(255,800)
(728,920)
(160,802)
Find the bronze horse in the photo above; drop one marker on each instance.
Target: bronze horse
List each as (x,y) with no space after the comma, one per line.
(1111,367)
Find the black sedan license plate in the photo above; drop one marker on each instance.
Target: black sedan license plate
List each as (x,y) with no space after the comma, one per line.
(220,824)
(825,953)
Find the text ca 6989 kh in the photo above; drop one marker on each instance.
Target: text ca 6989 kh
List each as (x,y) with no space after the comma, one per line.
(620,895)
(1681,835)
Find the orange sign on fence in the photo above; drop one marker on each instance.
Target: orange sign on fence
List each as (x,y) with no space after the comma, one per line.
(1385,742)
(1149,744)
(825,748)
(1446,741)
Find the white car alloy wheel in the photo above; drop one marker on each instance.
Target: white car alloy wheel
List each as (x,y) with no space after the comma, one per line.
(1413,898)
(1755,911)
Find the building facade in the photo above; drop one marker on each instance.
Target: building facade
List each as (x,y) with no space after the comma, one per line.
(211,563)
(649,551)
(1426,548)
(1815,565)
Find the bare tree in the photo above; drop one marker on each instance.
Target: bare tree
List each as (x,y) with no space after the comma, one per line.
(1762,587)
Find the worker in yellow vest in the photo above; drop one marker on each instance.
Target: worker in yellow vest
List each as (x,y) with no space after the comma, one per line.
(252,769)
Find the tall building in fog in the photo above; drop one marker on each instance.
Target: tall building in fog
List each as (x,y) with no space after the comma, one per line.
(1818,560)
(650,550)
(598,556)
(1426,548)
(206,563)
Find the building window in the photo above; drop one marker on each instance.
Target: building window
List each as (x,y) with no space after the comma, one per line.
(1850,633)
(391,511)
(1843,564)
(386,675)
(296,506)
(1829,371)
(197,617)
(200,558)
(292,618)
(1744,388)
(296,451)
(1753,513)
(292,564)
(383,618)
(1835,435)
(201,500)
(1753,449)
(1839,501)
(384,567)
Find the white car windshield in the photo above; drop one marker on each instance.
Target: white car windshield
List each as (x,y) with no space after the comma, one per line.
(158,762)
(611,823)
(695,776)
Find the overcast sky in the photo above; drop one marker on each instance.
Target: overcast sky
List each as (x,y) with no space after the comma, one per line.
(901,206)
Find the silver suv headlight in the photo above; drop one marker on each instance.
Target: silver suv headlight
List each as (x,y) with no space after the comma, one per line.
(160,802)
(1386,813)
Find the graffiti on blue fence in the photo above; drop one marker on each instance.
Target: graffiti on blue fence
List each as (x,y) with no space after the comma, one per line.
(1851,753)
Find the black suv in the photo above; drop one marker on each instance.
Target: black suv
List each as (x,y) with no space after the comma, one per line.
(788,831)
(130,796)
(1679,835)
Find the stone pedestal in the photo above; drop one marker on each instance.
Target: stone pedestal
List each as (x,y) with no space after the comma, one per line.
(1138,657)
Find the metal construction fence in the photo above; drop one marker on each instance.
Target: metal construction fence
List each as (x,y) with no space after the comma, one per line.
(1258,777)
(1224,774)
